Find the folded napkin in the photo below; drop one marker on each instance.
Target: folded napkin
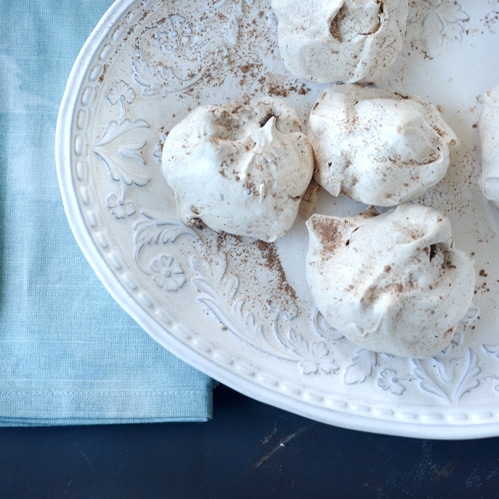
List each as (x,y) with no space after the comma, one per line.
(68,353)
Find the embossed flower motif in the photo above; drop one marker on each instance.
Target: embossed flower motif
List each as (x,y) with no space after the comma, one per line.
(388,381)
(175,32)
(120,208)
(318,360)
(121,92)
(169,274)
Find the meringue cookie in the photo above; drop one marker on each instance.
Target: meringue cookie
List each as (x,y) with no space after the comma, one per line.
(340,40)
(378,147)
(391,283)
(489,140)
(241,169)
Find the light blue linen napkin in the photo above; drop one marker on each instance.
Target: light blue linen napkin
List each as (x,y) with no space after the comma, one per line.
(68,353)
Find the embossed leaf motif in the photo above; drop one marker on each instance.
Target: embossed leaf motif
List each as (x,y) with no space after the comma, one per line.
(151,231)
(116,130)
(361,367)
(132,151)
(160,81)
(164,230)
(120,150)
(218,290)
(233,10)
(470,317)
(158,150)
(231,286)
(324,329)
(449,379)
(239,4)
(452,13)
(432,29)
(169,57)
(219,296)
(493,349)
(444,20)
(247,318)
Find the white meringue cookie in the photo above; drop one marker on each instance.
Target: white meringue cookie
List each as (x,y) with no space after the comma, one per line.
(340,40)
(378,147)
(391,283)
(241,169)
(489,140)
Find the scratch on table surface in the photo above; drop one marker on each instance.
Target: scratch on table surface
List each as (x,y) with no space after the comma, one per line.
(66,492)
(281,444)
(89,462)
(268,438)
(379,488)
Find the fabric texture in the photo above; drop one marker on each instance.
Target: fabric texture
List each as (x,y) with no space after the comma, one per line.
(68,353)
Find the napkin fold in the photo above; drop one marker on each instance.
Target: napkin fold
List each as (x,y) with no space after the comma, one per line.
(68,353)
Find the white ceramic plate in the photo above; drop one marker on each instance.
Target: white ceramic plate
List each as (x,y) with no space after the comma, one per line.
(242,312)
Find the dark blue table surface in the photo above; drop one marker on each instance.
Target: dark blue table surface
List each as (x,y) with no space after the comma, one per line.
(249,449)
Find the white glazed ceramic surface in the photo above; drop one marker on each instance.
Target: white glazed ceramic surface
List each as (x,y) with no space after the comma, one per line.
(239,311)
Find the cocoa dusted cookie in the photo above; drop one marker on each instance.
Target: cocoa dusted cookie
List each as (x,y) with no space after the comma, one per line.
(340,40)
(240,169)
(391,283)
(378,147)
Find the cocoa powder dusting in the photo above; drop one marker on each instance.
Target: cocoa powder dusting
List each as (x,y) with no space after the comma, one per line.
(273,263)
(328,233)
(245,256)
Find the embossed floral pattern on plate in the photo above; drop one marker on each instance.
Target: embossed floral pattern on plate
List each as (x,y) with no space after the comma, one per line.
(241,310)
